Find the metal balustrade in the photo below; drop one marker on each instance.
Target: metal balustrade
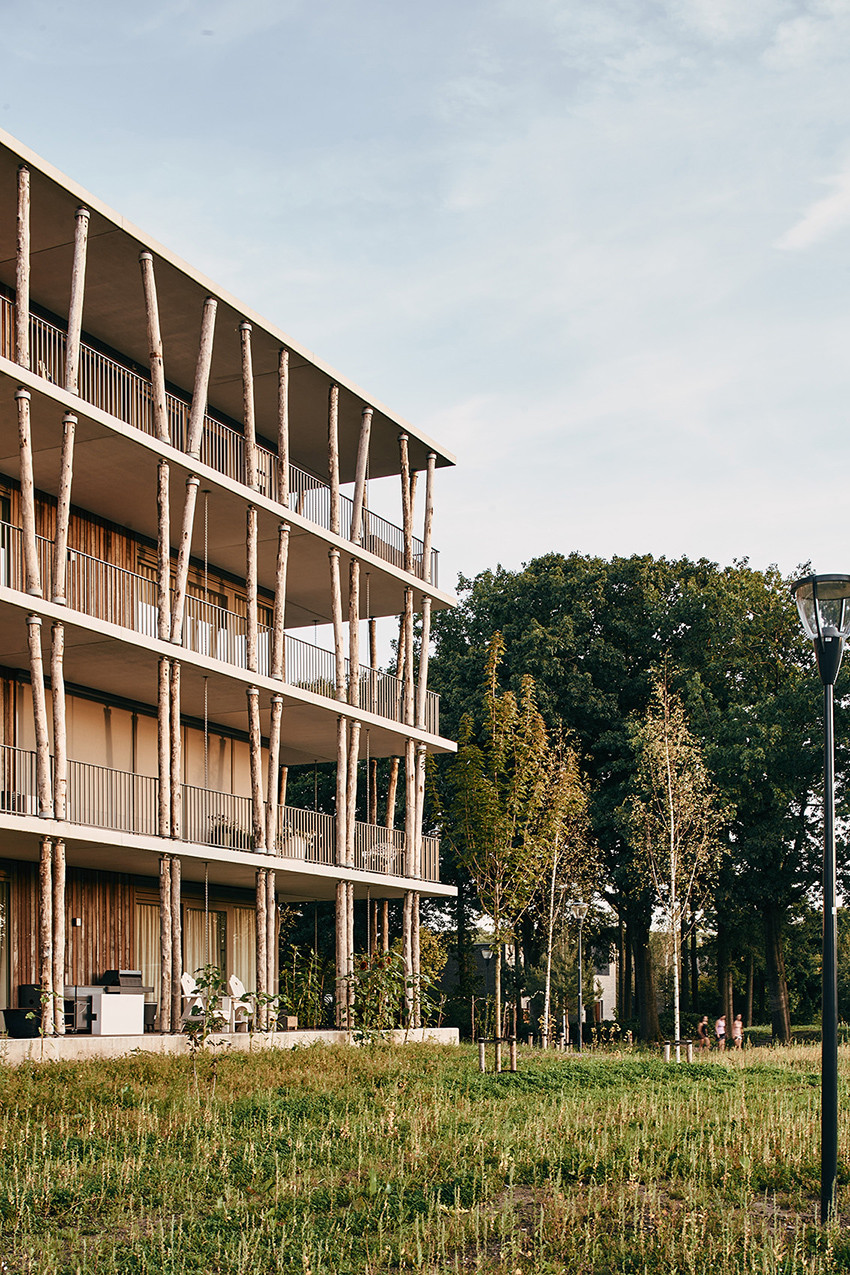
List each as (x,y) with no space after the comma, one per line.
(121,801)
(126,394)
(106,592)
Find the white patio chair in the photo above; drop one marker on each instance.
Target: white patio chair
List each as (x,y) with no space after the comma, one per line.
(241,1003)
(195,1004)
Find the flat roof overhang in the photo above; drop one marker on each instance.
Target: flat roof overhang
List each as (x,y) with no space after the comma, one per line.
(109,851)
(114,314)
(115,477)
(123,664)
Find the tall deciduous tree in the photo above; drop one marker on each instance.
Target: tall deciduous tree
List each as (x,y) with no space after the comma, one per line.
(496,805)
(573,864)
(675,816)
(592,631)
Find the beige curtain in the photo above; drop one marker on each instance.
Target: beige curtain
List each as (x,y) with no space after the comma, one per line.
(147,947)
(245,947)
(201,948)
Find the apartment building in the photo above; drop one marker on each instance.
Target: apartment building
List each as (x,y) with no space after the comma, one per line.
(184,499)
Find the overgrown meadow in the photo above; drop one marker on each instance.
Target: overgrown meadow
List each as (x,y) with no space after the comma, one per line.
(382,1159)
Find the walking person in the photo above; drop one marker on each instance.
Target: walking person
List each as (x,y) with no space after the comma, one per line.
(720,1032)
(738,1032)
(702,1033)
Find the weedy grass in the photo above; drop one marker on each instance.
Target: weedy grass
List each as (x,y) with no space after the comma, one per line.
(327,1161)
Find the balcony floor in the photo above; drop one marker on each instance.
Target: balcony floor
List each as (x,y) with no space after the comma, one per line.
(115,477)
(109,851)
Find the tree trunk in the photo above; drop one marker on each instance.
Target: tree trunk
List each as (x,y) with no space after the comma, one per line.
(627,1009)
(677,1007)
(780,1014)
(22,270)
(498,1006)
(647,1004)
(683,963)
(748,1012)
(694,973)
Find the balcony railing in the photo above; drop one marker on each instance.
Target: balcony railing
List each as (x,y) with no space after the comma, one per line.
(126,395)
(105,592)
(120,801)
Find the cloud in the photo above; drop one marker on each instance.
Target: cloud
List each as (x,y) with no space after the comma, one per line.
(825,216)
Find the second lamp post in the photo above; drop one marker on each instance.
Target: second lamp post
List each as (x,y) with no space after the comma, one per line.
(824,606)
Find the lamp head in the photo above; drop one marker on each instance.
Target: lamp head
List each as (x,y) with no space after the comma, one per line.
(823,602)
(579,911)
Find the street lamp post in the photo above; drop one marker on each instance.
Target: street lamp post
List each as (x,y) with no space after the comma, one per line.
(824,606)
(579,911)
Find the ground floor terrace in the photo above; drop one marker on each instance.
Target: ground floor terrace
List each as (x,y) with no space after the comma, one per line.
(87,900)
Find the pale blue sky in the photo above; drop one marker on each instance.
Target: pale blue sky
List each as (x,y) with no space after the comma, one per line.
(600,250)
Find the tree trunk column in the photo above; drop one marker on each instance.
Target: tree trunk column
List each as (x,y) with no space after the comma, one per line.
(262,932)
(32,568)
(166,944)
(45,935)
(60,745)
(159,406)
(75,309)
(39,713)
(59,936)
(176,988)
(255,744)
(63,509)
(22,270)
(176,759)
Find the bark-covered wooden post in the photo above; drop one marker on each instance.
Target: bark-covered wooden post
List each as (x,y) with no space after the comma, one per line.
(159,407)
(271,944)
(251,621)
(361,472)
(163,552)
(45,934)
(255,744)
(75,308)
(200,391)
(176,759)
(333,456)
(176,944)
(63,509)
(415,959)
(59,936)
(248,418)
(406,640)
(262,937)
(336,615)
(341,821)
(60,737)
(273,780)
(341,955)
(22,270)
(184,552)
(32,569)
(39,713)
(166,949)
(194,440)
(278,653)
(354,700)
(283,427)
(163,734)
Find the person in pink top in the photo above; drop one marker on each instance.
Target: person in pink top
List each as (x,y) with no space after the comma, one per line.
(720,1032)
(738,1032)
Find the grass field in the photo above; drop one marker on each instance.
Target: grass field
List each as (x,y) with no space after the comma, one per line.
(376,1159)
